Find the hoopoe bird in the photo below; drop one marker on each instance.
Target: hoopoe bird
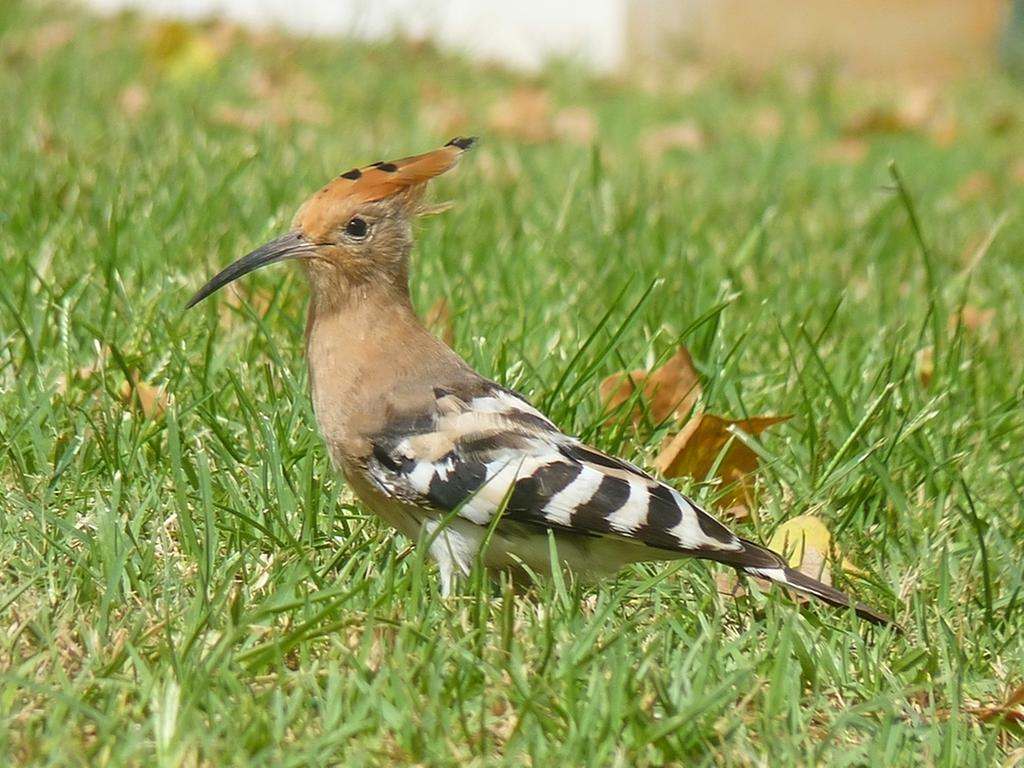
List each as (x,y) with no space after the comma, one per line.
(442,453)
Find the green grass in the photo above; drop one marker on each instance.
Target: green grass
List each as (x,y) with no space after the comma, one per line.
(200,588)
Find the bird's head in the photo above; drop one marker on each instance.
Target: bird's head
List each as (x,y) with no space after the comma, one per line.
(356,229)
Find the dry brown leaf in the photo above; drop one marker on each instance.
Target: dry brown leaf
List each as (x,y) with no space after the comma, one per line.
(727,583)
(808,125)
(877,120)
(695,450)
(503,169)
(680,79)
(737,513)
(85,372)
(222,35)
(49,37)
(1003,121)
(236,296)
(439,320)
(848,151)
(924,361)
(239,117)
(272,84)
(149,400)
(283,97)
(44,136)
(944,131)
(801,77)
(307,111)
(444,116)
(1016,697)
(685,136)
(916,110)
(525,115)
(133,100)
(767,123)
(1011,709)
(1017,172)
(576,125)
(987,714)
(972,319)
(671,390)
(917,105)
(975,186)
(913,112)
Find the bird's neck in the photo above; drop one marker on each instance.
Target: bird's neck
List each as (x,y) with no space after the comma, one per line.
(365,350)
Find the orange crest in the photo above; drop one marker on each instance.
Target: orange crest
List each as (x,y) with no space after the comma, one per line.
(374,182)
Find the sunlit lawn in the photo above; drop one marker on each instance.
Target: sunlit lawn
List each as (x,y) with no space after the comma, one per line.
(189,583)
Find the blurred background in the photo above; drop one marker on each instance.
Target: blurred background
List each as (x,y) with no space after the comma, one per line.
(931,39)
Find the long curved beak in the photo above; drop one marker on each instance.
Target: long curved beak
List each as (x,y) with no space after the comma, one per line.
(288,246)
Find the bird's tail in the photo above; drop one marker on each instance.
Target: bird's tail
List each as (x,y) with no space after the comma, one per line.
(759,561)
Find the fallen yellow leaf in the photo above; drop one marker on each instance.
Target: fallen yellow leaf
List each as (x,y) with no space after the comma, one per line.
(806,543)
(183,51)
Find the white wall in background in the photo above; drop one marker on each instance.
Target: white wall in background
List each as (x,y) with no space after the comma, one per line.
(521,33)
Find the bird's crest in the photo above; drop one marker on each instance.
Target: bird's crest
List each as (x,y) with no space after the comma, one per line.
(377,181)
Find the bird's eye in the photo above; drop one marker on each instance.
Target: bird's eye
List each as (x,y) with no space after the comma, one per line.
(357,228)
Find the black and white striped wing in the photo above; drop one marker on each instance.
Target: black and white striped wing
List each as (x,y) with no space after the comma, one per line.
(488,452)
(494,453)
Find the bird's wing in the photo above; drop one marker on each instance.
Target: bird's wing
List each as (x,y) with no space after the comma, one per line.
(486,451)
(493,453)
